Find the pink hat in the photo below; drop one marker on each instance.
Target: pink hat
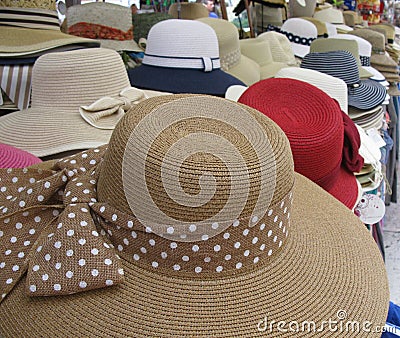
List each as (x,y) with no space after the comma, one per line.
(11,157)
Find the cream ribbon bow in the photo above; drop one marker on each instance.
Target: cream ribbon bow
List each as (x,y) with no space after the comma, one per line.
(107,111)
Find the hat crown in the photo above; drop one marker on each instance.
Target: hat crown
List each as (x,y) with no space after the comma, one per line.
(335,44)
(198,177)
(376,39)
(300,27)
(280,47)
(257,50)
(67,80)
(331,15)
(182,44)
(364,47)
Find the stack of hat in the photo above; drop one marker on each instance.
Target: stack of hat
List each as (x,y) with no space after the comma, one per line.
(352,19)
(380,59)
(333,16)
(392,47)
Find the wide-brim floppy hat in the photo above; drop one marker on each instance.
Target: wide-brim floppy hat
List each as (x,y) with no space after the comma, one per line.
(184,226)
(64,115)
(362,94)
(27,31)
(11,157)
(333,86)
(318,148)
(108,23)
(182,56)
(232,60)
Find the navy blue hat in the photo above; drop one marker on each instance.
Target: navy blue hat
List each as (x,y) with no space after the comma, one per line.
(362,94)
(182,56)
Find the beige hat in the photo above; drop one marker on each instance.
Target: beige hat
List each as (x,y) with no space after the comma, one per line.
(303,8)
(334,16)
(232,60)
(192,223)
(321,26)
(259,51)
(280,47)
(108,23)
(44,4)
(188,10)
(335,44)
(62,83)
(351,18)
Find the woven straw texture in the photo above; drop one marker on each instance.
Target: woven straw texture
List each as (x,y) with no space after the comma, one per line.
(11,157)
(155,300)
(45,4)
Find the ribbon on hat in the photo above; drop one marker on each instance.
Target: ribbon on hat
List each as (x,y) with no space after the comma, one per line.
(107,111)
(351,159)
(49,229)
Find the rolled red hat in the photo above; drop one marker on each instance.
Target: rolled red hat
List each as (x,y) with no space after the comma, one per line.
(313,123)
(11,157)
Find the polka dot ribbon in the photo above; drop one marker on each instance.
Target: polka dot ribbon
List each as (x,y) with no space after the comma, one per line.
(47,230)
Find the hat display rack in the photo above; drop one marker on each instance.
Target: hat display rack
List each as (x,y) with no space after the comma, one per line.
(163,173)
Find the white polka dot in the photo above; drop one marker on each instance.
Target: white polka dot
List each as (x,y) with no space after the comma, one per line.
(86,191)
(3,189)
(13,239)
(173,245)
(246,253)
(148,230)
(45,277)
(22,204)
(280,224)
(9,281)
(134,234)
(239,265)
(72,161)
(185,258)
(82,284)
(69,274)
(120,247)
(219,268)
(18,225)
(14,179)
(121,271)
(2,265)
(227,235)
(47,185)
(84,210)
(95,233)
(109,282)
(245,232)
(262,226)
(59,225)
(57,245)
(143,250)
(130,224)
(280,243)
(93,161)
(21,254)
(154,264)
(270,252)
(275,238)
(32,288)
(29,191)
(217,248)
(32,232)
(152,242)
(70,232)
(164,255)
(204,237)
(136,257)
(195,248)
(228,257)
(35,268)
(170,230)
(47,257)
(255,260)
(50,235)
(236,223)
(32,180)
(114,217)
(284,229)
(15,268)
(7,252)
(126,241)
(237,245)
(207,259)
(198,269)
(106,245)
(5,210)
(176,267)
(82,241)
(57,287)
(58,266)
(79,184)
(269,233)
(282,204)
(7,220)
(254,219)
(192,227)
(275,219)
(82,262)
(83,223)
(84,155)
(285,210)
(95,272)
(94,251)
(215,225)
(1,233)
(71,215)
(74,199)
(270,212)
(40,198)
(107,261)
(70,252)
(262,247)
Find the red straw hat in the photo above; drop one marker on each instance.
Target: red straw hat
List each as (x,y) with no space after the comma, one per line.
(11,157)
(314,125)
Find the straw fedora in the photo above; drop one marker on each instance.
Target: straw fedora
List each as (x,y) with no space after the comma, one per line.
(362,94)
(280,46)
(11,157)
(304,8)
(188,10)
(321,26)
(109,23)
(333,16)
(182,56)
(234,255)
(232,60)
(333,86)
(335,44)
(299,103)
(26,32)
(63,84)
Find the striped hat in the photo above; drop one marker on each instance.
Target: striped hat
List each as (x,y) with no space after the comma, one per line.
(362,94)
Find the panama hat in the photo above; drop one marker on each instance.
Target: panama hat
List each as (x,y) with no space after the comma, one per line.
(232,60)
(280,47)
(182,56)
(31,31)
(109,23)
(258,50)
(335,44)
(299,103)
(188,10)
(300,33)
(11,157)
(362,94)
(65,85)
(233,256)
(333,86)
(333,16)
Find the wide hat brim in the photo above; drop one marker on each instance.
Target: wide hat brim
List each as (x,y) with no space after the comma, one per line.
(300,50)
(127,45)
(313,279)
(45,131)
(182,80)
(367,95)
(25,41)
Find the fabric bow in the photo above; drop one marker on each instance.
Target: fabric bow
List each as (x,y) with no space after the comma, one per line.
(351,158)
(47,229)
(107,111)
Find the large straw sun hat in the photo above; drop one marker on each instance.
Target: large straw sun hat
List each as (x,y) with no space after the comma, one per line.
(166,234)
